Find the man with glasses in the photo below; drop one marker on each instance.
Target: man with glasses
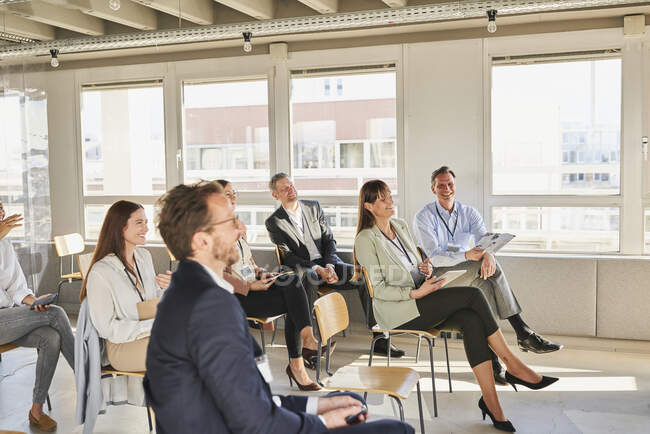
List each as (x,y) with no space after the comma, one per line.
(300,230)
(205,372)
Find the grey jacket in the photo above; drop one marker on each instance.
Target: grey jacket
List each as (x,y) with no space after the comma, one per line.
(391,280)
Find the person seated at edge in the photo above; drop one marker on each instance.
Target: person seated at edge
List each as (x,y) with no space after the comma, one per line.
(301,232)
(205,371)
(444,229)
(122,287)
(264,294)
(407,296)
(46,327)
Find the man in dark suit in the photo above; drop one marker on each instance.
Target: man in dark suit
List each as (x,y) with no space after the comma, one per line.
(205,372)
(306,243)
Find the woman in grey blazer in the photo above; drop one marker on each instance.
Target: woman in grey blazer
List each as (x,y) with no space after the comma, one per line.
(407,296)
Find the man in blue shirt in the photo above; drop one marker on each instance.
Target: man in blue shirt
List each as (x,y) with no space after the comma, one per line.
(447,230)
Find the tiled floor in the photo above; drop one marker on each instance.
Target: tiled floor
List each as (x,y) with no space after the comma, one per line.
(604,388)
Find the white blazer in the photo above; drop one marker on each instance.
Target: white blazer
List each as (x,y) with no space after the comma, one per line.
(113,300)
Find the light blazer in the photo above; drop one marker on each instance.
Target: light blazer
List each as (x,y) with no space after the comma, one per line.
(291,243)
(391,280)
(201,371)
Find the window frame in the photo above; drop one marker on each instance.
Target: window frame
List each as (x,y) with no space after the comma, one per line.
(630,222)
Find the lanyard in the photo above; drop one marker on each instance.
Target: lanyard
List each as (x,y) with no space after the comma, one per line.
(446,225)
(400,247)
(241,250)
(135,285)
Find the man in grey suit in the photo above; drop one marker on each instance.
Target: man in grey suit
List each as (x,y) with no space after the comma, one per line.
(306,243)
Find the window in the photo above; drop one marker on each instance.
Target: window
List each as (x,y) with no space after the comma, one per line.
(556,128)
(226,133)
(123,148)
(558,229)
(646,221)
(549,116)
(343,138)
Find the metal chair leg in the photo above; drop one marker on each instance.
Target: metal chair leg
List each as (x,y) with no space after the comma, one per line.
(417,351)
(49,405)
(275,329)
(388,351)
(327,357)
(433,378)
(262,339)
(420,407)
(149,419)
(400,406)
(448,370)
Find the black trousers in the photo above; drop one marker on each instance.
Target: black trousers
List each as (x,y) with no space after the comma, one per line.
(461,308)
(286,295)
(312,281)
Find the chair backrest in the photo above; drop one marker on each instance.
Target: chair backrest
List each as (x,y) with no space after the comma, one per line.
(278,256)
(84,263)
(371,292)
(331,314)
(170,254)
(422,255)
(69,244)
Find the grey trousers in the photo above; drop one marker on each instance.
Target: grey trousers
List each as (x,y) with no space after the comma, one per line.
(48,331)
(496,288)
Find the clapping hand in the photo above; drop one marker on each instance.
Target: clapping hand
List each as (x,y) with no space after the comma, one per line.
(163,280)
(426,267)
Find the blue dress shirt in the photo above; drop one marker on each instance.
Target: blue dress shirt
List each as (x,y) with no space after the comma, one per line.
(446,236)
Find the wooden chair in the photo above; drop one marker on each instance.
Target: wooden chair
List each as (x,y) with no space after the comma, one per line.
(172,258)
(397,382)
(428,336)
(8,347)
(109,371)
(68,245)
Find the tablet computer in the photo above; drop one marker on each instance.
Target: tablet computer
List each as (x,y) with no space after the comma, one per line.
(450,276)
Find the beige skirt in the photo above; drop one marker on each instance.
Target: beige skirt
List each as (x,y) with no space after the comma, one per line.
(129,356)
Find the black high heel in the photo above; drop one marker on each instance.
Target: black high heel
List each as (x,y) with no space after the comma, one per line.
(311,387)
(500,425)
(544,382)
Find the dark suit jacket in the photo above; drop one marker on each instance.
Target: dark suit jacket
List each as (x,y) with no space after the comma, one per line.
(291,243)
(201,372)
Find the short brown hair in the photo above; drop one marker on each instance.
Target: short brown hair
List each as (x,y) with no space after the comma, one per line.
(441,171)
(183,211)
(275,178)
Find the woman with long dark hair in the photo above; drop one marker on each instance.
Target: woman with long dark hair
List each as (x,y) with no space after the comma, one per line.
(122,287)
(408,296)
(265,294)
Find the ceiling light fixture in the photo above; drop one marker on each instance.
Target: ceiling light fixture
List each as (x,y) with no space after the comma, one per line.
(248,47)
(492,20)
(55,58)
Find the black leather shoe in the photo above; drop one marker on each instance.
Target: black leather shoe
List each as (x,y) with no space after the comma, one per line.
(497,370)
(538,344)
(381,347)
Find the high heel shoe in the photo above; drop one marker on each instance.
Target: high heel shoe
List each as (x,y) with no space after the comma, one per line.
(544,382)
(500,425)
(309,356)
(311,387)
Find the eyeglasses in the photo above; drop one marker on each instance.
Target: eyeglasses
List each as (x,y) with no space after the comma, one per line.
(235,221)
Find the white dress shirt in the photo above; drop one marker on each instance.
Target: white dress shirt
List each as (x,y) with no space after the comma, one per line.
(296,219)
(13,286)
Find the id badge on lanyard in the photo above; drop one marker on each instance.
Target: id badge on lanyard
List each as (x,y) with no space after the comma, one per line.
(248,273)
(264,368)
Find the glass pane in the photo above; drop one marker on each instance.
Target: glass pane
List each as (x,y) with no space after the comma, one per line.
(570,229)
(226,130)
(95,218)
(344,132)
(343,221)
(123,141)
(253,217)
(556,128)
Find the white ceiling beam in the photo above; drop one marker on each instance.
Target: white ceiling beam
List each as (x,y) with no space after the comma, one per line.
(195,11)
(322,6)
(129,14)
(58,17)
(260,9)
(396,3)
(27,28)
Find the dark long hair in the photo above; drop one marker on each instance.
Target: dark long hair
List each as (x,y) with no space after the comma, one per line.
(111,237)
(369,193)
(222,182)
